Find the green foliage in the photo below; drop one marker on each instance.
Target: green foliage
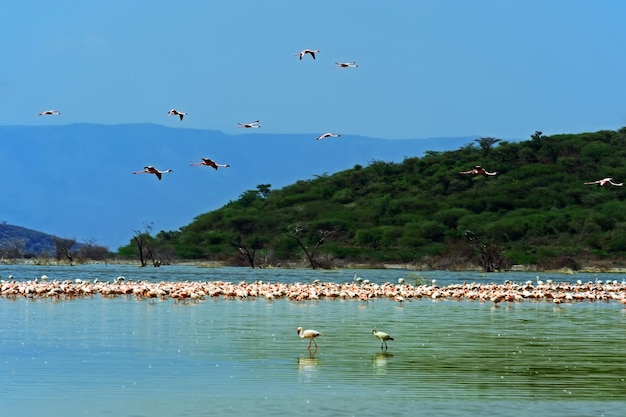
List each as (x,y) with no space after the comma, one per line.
(535,209)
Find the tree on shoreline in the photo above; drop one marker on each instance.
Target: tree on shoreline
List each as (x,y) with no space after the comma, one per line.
(248,248)
(489,256)
(298,232)
(143,242)
(64,249)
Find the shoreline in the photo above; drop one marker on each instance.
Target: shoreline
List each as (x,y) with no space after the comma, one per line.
(588,269)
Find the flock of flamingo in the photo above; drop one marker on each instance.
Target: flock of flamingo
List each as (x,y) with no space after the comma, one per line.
(150,169)
(478,170)
(31,289)
(361,290)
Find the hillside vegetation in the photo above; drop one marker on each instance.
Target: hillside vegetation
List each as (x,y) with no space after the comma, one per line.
(535,211)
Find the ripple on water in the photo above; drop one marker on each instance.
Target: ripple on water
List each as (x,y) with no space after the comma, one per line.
(224,357)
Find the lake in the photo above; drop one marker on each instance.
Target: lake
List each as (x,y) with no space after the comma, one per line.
(220,357)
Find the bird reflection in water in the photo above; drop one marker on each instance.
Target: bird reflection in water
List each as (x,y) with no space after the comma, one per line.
(379,362)
(307,367)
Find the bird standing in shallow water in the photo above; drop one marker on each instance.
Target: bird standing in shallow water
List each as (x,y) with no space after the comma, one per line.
(152,170)
(309,334)
(383,337)
(603,181)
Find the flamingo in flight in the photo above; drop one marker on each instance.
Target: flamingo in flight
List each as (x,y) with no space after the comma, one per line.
(49,112)
(210,163)
(175,112)
(309,334)
(152,170)
(303,52)
(346,65)
(478,170)
(327,135)
(251,125)
(608,180)
(383,337)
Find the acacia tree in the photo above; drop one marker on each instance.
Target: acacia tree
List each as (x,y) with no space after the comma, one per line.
(264,189)
(299,233)
(486,144)
(248,248)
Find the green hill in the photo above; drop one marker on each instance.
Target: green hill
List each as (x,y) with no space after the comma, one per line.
(535,211)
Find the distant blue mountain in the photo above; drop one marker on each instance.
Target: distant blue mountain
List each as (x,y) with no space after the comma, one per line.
(75,181)
(16,241)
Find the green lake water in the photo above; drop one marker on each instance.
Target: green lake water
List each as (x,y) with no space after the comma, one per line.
(127,357)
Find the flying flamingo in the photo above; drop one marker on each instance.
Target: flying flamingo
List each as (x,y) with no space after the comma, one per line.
(309,334)
(49,112)
(603,181)
(346,65)
(303,52)
(210,163)
(327,135)
(383,337)
(175,112)
(478,170)
(152,170)
(253,125)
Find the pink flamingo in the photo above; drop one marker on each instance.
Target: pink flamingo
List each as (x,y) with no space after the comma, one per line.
(303,52)
(478,170)
(175,112)
(309,334)
(152,170)
(210,163)
(49,112)
(608,180)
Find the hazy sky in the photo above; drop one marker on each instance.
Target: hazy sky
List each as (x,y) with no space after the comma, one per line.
(427,68)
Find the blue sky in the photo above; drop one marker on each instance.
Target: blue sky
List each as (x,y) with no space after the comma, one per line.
(427,68)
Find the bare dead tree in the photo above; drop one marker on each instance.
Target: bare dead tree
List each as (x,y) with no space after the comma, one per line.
(143,240)
(249,248)
(489,255)
(13,248)
(63,248)
(91,250)
(298,232)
